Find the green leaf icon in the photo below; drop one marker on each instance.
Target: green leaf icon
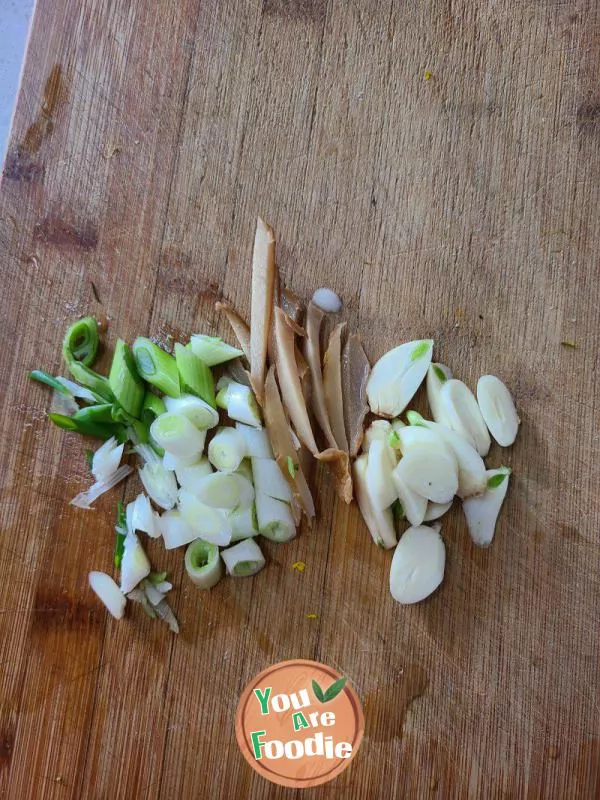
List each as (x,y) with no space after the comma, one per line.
(335,689)
(318,692)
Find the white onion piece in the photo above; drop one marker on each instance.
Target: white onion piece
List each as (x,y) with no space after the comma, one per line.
(418,564)
(463,414)
(141,517)
(212,350)
(85,499)
(203,564)
(396,377)
(256,441)
(225,490)
(198,411)
(153,593)
(379,483)
(211,524)
(160,484)
(108,593)
(226,450)
(147,454)
(436,510)
(170,462)
(482,512)
(430,472)
(239,402)
(275,520)
(437,375)
(498,409)
(77,390)
(380,522)
(177,435)
(327,300)
(243,523)
(471,469)
(106,459)
(176,530)
(190,477)
(243,559)
(414,505)
(380,430)
(268,479)
(135,565)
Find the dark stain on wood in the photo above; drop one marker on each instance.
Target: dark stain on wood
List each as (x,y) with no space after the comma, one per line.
(303,10)
(55,231)
(588,115)
(6,749)
(20,166)
(61,611)
(42,127)
(386,706)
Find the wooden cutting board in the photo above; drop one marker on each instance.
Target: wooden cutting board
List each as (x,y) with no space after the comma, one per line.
(438,165)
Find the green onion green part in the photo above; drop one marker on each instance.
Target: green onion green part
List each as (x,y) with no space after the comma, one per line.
(41,376)
(101,413)
(156,366)
(86,428)
(152,407)
(195,376)
(81,342)
(124,381)
(202,564)
(121,530)
(213,350)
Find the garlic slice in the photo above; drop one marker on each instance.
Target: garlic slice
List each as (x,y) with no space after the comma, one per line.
(418,564)
(378,430)
(108,592)
(379,522)
(380,485)
(396,377)
(482,512)
(437,375)
(430,472)
(464,416)
(414,505)
(436,510)
(498,409)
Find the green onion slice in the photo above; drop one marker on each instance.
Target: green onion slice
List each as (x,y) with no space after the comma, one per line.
(195,376)
(124,381)
(156,366)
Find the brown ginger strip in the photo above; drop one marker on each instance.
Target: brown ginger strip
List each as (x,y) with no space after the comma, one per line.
(355,374)
(289,381)
(283,446)
(263,280)
(312,353)
(238,325)
(338,463)
(332,383)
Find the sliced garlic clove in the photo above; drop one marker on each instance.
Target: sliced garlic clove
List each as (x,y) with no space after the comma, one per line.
(463,414)
(380,464)
(437,375)
(471,469)
(482,512)
(413,437)
(108,592)
(430,472)
(380,523)
(396,377)
(418,564)
(436,510)
(498,409)
(415,506)
(378,429)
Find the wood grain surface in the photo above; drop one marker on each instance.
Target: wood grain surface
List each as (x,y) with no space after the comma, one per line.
(437,163)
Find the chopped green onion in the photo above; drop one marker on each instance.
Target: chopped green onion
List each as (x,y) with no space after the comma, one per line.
(225,490)
(135,565)
(121,529)
(107,459)
(189,477)
(81,342)
(245,470)
(212,350)
(100,413)
(275,520)
(226,450)
(176,530)
(243,523)
(49,380)
(206,522)
(159,483)
(124,381)
(269,479)
(177,435)
(156,366)
(157,577)
(203,564)
(90,379)
(239,402)
(243,559)
(85,428)
(257,441)
(291,466)
(195,376)
(152,407)
(197,410)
